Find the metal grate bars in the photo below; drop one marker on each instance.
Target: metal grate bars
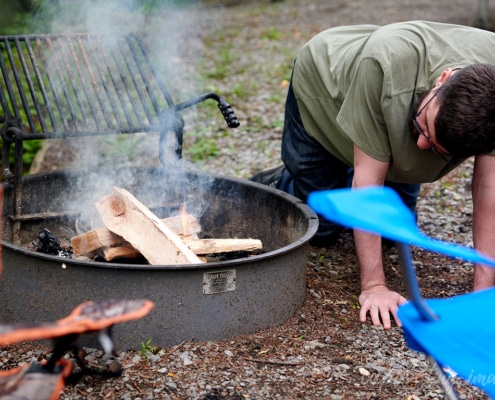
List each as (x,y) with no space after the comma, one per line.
(80,84)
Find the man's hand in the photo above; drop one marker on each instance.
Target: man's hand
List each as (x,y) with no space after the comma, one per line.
(380,302)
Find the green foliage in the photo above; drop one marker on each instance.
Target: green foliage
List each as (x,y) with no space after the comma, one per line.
(203,149)
(271,34)
(147,349)
(221,64)
(30,147)
(356,305)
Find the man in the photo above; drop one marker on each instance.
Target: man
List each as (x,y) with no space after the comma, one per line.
(396,105)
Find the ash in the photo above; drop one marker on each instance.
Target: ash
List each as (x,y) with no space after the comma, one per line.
(48,243)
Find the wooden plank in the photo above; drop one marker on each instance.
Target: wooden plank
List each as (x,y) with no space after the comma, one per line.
(88,243)
(124,251)
(198,246)
(214,246)
(126,216)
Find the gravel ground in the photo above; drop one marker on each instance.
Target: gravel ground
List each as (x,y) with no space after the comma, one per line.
(322,352)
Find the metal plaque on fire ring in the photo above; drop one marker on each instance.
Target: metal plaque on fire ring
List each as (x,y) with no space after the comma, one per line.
(219,281)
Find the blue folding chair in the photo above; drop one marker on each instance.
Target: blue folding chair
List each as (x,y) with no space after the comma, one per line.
(458,332)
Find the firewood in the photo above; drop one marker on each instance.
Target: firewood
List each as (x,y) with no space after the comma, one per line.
(213,246)
(124,251)
(88,243)
(198,246)
(126,216)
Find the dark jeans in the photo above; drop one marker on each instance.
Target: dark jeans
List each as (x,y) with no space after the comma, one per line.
(311,168)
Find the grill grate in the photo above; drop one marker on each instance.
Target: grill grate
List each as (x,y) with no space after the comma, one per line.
(80,84)
(71,85)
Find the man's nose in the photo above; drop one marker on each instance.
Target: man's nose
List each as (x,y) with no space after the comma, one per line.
(422,143)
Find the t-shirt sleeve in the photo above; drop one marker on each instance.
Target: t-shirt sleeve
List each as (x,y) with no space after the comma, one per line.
(361,115)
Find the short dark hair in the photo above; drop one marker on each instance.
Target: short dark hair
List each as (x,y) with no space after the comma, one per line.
(465,123)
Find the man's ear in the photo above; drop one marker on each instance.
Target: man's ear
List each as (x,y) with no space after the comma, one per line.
(446,74)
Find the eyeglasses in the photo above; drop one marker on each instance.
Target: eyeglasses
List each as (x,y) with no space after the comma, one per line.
(428,137)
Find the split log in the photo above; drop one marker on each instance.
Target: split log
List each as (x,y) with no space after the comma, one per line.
(88,243)
(124,251)
(198,246)
(126,216)
(215,246)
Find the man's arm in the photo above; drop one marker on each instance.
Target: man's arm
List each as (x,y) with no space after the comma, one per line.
(375,296)
(483,190)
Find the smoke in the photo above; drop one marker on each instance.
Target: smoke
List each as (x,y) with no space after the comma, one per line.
(171,33)
(172,39)
(96,16)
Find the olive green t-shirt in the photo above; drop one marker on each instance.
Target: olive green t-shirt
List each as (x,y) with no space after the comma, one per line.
(358,84)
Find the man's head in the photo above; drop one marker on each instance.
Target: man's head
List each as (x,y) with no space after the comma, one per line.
(465,121)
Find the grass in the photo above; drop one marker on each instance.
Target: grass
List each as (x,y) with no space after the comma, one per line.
(203,149)
(147,349)
(271,34)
